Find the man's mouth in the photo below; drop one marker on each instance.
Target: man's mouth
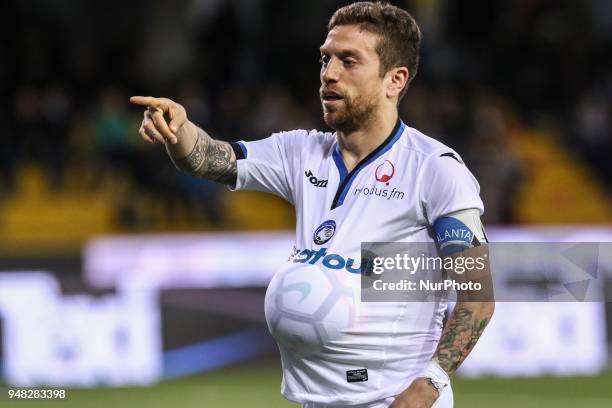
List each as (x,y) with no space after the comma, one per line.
(330,96)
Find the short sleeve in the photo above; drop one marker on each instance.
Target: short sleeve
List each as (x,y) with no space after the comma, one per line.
(447,185)
(268,164)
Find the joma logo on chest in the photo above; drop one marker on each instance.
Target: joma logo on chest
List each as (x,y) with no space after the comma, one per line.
(313,180)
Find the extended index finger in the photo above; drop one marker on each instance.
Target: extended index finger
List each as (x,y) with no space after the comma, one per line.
(146,101)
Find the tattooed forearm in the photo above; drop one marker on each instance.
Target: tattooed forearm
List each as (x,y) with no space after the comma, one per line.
(463,329)
(194,160)
(220,163)
(209,158)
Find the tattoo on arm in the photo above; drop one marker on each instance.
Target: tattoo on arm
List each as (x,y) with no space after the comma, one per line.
(219,164)
(460,334)
(211,159)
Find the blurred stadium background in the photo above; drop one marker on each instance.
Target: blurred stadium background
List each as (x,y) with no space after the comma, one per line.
(131,284)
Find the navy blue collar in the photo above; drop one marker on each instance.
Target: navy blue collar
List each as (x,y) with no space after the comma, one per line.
(346,177)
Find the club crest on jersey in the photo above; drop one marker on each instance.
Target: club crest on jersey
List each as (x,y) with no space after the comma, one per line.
(324,232)
(384,172)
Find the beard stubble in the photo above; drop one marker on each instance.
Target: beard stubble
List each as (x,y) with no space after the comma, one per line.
(354,115)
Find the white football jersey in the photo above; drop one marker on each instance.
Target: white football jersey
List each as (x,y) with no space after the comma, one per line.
(335,349)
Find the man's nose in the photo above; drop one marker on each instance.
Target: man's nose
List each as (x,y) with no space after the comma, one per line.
(330,71)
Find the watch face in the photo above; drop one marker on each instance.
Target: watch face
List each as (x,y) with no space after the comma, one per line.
(439,385)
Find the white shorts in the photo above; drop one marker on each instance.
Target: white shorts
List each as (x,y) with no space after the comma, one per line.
(444,401)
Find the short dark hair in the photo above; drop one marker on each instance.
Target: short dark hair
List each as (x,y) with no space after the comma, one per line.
(400,36)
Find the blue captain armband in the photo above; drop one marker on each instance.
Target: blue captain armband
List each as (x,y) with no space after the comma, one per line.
(458,231)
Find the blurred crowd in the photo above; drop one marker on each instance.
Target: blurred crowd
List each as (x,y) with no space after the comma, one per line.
(244,69)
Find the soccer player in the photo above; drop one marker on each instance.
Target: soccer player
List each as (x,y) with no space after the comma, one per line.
(374,179)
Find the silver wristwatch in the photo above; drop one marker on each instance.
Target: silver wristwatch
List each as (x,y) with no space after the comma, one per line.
(436,375)
(439,385)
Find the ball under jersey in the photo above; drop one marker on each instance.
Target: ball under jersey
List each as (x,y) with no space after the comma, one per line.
(334,348)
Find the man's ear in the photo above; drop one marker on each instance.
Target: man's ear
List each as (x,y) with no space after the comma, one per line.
(397,81)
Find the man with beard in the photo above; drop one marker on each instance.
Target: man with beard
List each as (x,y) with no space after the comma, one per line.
(374,179)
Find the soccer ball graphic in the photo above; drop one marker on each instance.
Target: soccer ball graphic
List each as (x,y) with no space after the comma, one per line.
(308,307)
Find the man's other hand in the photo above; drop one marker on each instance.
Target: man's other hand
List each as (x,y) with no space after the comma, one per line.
(163,120)
(420,394)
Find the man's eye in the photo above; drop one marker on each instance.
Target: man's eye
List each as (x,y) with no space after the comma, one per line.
(348,62)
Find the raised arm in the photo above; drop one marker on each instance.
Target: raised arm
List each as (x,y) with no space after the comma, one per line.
(190,148)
